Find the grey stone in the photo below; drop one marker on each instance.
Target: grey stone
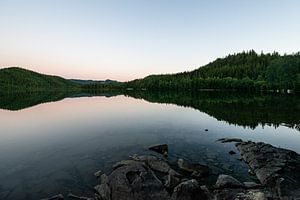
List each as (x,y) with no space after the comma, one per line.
(136,181)
(160,148)
(195,169)
(189,190)
(104,191)
(104,179)
(98,173)
(227,140)
(226,181)
(55,197)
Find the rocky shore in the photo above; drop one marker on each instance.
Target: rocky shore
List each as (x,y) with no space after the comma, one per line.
(147,177)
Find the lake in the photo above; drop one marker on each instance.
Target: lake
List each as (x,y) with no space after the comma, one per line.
(53,142)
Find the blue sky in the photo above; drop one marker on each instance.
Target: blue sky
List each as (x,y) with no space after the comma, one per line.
(129,39)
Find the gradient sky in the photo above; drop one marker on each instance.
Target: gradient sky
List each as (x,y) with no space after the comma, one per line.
(127,39)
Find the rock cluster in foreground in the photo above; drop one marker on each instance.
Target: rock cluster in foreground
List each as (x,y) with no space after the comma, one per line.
(150,177)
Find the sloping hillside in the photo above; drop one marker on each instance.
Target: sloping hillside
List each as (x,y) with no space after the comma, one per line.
(18,79)
(242,71)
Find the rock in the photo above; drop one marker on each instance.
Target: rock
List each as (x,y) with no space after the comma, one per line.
(124,162)
(241,194)
(195,170)
(206,129)
(154,163)
(231,152)
(172,179)
(251,185)
(226,140)
(136,181)
(271,165)
(104,191)
(188,190)
(55,197)
(98,173)
(104,179)
(226,181)
(161,148)
(73,196)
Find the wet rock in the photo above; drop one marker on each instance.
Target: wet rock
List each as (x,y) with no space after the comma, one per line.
(161,148)
(232,152)
(55,197)
(188,190)
(271,165)
(251,185)
(171,181)
(226,181)
(124,162)
(227,140)
(136,181)
(104,191)
(154,163)
(104,179)
(195,169)
(98,173)
(241,194)
(73,196)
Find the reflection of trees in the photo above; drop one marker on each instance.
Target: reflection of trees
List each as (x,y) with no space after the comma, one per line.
(248,110)
(18,101)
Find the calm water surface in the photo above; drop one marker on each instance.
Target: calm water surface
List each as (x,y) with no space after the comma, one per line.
(56,147)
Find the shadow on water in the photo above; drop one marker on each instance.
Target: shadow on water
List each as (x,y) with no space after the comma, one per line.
(247,110)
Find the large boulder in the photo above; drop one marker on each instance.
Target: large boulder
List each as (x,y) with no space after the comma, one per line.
(189,190)
(136,181)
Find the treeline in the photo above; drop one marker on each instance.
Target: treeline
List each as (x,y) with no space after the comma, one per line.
(15,79)
(110,86)
(243,71)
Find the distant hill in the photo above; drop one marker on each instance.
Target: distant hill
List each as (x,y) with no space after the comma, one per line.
(242,71)
(18,79)
(86,82)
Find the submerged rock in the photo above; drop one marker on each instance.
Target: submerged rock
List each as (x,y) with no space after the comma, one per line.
(232,152)
(154,163)
(227,140)
(161,148)
(189,190)
(73,196)
(226,181)
(55,197)
(195,169)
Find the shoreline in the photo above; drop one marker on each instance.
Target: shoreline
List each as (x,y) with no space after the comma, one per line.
(152,177)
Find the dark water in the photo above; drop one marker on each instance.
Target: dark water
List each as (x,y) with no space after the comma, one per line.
(51,144)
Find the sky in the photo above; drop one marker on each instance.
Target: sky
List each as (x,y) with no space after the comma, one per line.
(128,39)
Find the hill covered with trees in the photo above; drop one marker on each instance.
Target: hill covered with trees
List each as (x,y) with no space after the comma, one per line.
(21,80)
(242,71)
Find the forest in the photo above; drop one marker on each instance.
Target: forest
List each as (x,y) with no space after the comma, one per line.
(242,71)
(15,79)
(246,71)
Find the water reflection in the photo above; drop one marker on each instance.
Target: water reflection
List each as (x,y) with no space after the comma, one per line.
(56,147)
(247,110)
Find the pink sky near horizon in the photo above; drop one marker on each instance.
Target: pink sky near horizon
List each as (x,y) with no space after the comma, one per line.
(128,39)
